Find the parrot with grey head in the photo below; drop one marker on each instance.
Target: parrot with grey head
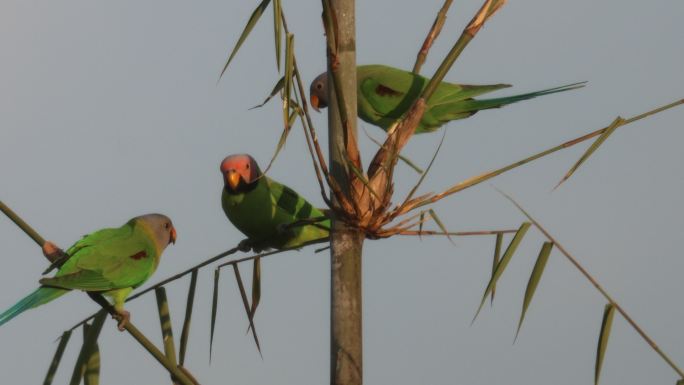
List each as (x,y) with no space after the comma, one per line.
(111,261)
(385,94)
(269,213)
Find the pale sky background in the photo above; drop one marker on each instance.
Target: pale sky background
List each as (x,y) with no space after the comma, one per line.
(110,109)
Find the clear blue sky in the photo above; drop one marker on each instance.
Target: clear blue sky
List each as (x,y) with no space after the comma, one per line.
(111,109)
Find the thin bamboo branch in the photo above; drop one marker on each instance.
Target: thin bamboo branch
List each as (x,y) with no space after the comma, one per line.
(487,10)
(457,233)
(171,367)
(598,286)
(14,217)
(431,36)
(475,180)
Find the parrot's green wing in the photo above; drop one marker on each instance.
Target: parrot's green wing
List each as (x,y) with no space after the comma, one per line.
(385,94)
(263,213)
(106,260)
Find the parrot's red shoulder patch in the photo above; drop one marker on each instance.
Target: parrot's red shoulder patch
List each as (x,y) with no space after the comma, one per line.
(386,91)
(139,255)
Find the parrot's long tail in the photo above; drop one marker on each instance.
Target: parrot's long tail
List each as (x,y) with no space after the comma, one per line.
(476,105)
(41,296)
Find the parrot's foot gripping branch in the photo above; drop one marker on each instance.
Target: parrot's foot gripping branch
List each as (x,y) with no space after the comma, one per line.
(122,317)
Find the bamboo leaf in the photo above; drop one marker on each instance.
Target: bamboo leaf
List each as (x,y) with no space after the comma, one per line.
(619,121)
(422,177)
(289,68)
(439,223)
(188,317)
(88,347)
(278,86)
(57,358)
(166,327)
(256,285)
(606,324)
(537,272)
(245,32)
(91,368)
(214,301)
(497,257)
(277,30)
(501,266)
(245,302)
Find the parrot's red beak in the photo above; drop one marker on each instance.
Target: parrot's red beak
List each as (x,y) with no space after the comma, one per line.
(233,179)
(315,102)
(172,238)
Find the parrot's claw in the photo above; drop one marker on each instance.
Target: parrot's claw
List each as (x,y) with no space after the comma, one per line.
(122,317)
(245,246)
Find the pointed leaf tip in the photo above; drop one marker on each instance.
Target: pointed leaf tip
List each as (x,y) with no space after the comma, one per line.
(594,146)
(256,14)
(214,302)
(533,282)
(501,266)
(606,324)
(495,262)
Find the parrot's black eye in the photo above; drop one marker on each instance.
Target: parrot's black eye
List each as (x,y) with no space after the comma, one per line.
(319,86)
(247,167)
(166,225)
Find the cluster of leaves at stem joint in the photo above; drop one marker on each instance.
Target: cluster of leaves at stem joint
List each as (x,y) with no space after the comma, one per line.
(366,205)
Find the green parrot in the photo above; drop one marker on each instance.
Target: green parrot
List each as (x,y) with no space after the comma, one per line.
(111,261)
(262,208)
(385,93)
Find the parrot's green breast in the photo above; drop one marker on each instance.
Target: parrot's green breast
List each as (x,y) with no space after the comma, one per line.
(263,212)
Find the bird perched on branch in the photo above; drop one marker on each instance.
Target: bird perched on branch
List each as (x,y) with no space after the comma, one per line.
(385,94)
(111,261)
(269,213)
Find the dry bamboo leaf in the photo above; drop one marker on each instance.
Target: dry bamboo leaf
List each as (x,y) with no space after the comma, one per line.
(245,32)
(533,282)
(501,266)
(606,324)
